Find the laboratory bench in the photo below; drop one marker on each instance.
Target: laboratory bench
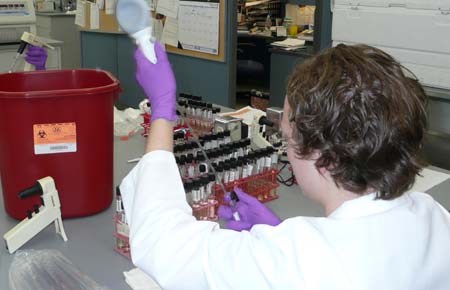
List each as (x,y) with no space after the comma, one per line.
(90,244)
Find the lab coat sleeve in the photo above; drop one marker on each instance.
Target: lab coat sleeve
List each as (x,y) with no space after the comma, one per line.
(180,252)
(159,218)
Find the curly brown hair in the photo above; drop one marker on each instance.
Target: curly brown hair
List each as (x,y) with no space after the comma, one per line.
(365,113)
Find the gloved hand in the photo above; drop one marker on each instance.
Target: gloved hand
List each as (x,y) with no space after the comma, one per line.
(36,56)
(250,210)
(158,83)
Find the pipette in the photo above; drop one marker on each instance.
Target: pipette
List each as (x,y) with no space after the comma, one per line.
(25,39)
(20,50)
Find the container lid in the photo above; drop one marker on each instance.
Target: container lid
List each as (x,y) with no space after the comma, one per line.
(57,83)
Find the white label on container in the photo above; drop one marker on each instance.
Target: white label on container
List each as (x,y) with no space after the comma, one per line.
(54,138)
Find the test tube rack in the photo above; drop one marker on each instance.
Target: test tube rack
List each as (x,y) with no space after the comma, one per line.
(199,116)
(121,235)
(262,186)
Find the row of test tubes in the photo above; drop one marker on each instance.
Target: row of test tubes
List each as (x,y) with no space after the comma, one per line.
(121,230)
(231,162)
(199,115)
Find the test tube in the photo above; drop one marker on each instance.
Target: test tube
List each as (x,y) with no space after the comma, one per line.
(226,137)
(188,189)
(186,111)
(196,190)
(182,149)
(245,168)
(202,191)
(229,151)
(232,174)
(195,193)
(248,148)
(202,166)
(240,163)
(241,148)
(251,164)
(260,160)
(220,139)
(194,147)
(212,203)
(119,205)
(204,120)
(178,137)
(214,143)
(226,173)
(199,116)
(181,107)
(212,156)
(211,182)
(219,172)
(220,155)
(208,142)
(267,159)
(190,168)
(182,166)
(255,161)
(202,169)
(235,149)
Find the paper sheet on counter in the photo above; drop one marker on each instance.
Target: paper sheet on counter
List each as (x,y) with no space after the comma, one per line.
(138,280)
(429,179)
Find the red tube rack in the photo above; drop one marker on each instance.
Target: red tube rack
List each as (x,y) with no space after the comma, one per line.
(121,233)
(262,186)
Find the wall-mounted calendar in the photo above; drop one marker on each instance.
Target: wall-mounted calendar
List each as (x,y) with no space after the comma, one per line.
(192,28)
(198,25)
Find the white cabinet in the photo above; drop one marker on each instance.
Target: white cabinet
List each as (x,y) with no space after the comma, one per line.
(416,32)
(62,27)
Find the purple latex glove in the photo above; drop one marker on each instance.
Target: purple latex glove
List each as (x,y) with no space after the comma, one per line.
(158,83)
(36,56)
(251,212)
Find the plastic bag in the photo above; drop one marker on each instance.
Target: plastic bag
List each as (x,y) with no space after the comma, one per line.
(127,122)
(47,270)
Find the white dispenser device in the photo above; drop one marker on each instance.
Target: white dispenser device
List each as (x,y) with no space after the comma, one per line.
(415,32)
(16,17)
(40,218)
(133,17)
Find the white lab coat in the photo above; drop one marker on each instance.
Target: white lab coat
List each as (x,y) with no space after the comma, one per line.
(365,244)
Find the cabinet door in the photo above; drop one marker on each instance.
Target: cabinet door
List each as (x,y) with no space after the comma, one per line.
(99,51)
(131,94)
(280,68)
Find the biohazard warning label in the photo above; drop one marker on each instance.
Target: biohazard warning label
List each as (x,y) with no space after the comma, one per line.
(55,138)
